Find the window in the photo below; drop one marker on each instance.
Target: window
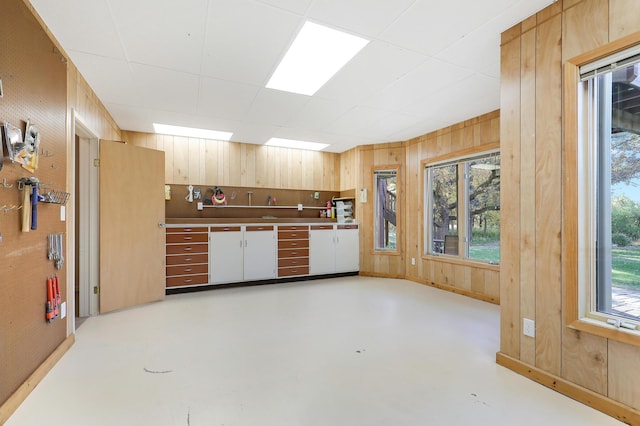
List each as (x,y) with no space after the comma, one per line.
(386,207)
(609,190)
(463,208)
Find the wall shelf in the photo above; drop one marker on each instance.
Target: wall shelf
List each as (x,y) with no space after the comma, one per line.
(262,207)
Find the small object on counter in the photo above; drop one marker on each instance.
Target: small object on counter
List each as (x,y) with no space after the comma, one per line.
(167,192)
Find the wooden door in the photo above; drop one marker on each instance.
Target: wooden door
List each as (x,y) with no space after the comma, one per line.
(132,243)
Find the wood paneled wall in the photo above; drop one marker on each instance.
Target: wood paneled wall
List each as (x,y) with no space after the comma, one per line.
(34,81)
(533,53)
(475,280)
(212,162)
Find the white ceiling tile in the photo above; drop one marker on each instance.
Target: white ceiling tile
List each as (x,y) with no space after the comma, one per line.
(245,42)
(357,121)
(295,6)
(98,30)
(120,88)
(475,52)
(429,26)
(275,107)
(430,77)
(318,113)
(365,17)
(225,99)
(254,133)
(423,127)
(374,68)
(166,89)
(174,29)
(473,96)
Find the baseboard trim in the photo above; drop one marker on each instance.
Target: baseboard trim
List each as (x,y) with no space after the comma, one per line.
(619,411)
(471,294)
(18,397)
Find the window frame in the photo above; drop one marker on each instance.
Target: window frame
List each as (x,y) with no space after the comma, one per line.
(378,169)
(578,230)
(461,160)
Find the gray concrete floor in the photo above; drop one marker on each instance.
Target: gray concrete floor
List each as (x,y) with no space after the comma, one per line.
(352,351)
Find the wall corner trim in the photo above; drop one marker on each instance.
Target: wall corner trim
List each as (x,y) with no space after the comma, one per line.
(619,411)
(18,397)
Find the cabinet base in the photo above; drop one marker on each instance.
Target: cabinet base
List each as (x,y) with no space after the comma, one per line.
(179,290)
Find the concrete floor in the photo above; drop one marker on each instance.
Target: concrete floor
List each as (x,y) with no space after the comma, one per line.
(350,351)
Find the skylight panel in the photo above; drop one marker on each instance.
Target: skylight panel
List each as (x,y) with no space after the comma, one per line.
(192,132)
(295,144)
(315,56)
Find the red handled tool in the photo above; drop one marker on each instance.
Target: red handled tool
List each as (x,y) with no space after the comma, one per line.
(49,312)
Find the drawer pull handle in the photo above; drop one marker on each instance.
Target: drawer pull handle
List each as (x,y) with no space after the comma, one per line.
(294,244)
(294,253)
(188,270)
(294,262)
(188,248)
(188,229)
(188,238)
(188,259)
(187,281)
(294,235)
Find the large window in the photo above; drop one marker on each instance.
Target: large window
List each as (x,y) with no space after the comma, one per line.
(386,208)
(609,191)
(463,208)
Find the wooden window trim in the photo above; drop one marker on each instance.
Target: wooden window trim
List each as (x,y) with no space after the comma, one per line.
(571,300)
(399,207)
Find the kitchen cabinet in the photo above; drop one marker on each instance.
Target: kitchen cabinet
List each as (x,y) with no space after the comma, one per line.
(259,253)
(347,248)
(322,255)
(227,254)
(293,250)
(187,256)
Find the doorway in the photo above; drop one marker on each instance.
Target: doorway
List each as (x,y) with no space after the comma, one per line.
(86,227)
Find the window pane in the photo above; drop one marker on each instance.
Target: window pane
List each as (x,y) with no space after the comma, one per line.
(618,187)
(444,227)
(385,220)
(484,209)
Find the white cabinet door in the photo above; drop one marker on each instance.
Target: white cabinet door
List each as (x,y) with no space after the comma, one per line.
(322,258)
(259,253)
(347,248)
(226,251)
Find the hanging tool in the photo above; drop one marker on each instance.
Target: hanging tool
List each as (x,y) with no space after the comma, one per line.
(50,311)
(189,196)
(29,203)
(56,293)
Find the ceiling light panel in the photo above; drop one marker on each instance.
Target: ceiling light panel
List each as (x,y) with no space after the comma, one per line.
(291,143)
(191,132)
(316,55)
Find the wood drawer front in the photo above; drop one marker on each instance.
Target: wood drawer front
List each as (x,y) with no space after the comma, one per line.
(186,230)
(187,238)
(293,228)
(293,244)
(288,272)
(293,235)
(322,227)
(347,226)
(286,253)
(187,280)
(225,229)
(293,262)
(259,228)
(187,248)
(187,270)
(187,259)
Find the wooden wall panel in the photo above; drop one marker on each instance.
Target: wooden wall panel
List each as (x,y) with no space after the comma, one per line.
(584,360)
(622,21)
(510,116)
(548,195)
(564,30)
(584,27)
(624,368)
(528,189)
(212,162)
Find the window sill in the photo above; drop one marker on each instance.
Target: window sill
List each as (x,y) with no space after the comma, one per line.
(385,252)
(464,262)
(602,329)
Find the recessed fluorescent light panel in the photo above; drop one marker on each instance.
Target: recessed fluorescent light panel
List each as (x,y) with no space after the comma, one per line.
(191,132)
(315,56)
(291,143)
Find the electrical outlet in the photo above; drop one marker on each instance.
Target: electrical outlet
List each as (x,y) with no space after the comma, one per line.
(413,260)
(63,310)
(529,327)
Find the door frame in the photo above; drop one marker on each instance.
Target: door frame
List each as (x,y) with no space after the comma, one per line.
(88,238)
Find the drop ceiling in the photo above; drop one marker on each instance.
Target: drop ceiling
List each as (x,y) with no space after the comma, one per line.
(205,63)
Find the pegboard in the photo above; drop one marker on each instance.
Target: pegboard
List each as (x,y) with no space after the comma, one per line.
(34,81)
